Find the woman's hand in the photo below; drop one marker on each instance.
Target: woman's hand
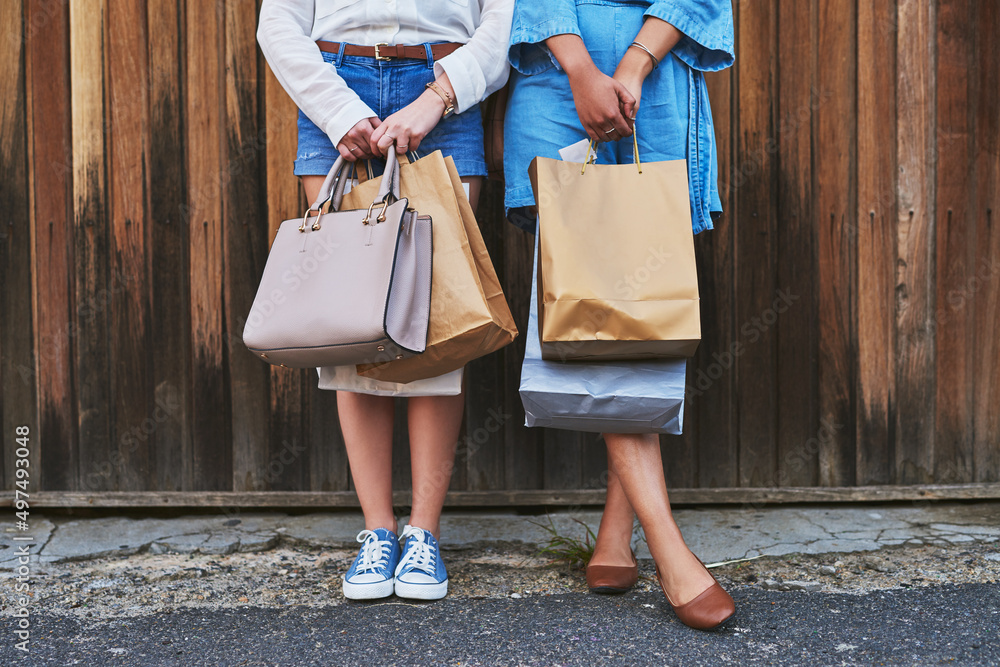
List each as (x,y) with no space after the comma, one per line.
(356,144)
(657,36)
(599,99)
(604,105)
(633,84)
(408,126)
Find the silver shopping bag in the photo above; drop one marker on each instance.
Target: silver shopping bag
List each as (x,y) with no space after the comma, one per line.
(604,397)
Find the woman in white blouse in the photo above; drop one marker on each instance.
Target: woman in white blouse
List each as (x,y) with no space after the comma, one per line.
(368,75)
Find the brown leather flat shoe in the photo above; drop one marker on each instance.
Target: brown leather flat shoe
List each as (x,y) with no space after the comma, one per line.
(612,578)
(710,610)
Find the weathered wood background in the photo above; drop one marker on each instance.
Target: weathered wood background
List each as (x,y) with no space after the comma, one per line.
(850,292)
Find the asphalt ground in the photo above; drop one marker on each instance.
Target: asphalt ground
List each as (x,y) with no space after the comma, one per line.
(951,624)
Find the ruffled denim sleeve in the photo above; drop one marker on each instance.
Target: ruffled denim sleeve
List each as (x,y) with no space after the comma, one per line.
(534,22)
(708,31)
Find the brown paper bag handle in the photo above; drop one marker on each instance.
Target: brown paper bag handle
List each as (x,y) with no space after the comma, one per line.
(403,159)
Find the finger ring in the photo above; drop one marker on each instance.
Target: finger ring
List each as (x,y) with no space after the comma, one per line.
(353,148)
(611,130)
(404,145)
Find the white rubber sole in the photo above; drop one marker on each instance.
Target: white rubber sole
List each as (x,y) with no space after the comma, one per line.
(374,591)
(421,591)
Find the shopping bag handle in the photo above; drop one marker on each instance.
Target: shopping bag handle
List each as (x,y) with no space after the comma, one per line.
(635,148)
(368,174)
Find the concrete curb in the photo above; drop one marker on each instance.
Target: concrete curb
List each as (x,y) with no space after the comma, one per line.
(714,534)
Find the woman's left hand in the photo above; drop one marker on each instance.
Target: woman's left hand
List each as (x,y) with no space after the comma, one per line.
(633,84)
(408,126)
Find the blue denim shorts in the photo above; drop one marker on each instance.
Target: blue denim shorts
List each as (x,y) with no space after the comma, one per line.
(386,87)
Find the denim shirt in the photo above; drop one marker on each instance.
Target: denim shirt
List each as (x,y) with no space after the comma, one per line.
(707,46)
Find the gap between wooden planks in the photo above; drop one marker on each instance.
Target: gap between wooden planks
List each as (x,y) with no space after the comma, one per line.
(518,498)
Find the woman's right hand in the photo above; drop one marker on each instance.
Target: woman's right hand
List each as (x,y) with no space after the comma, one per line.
(356,144)
(601,102)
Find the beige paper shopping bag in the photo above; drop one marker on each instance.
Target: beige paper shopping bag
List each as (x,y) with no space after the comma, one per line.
(469,314)
(617,276)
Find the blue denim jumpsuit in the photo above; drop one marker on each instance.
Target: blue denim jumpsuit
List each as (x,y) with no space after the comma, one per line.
(674,119)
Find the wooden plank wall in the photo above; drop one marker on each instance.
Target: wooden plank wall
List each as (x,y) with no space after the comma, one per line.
(851,291)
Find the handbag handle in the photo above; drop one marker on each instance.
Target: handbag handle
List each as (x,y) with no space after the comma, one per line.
(332,190)
(635,148)
(390,178)
(333,187)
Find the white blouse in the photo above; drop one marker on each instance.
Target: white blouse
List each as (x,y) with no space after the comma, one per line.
(289,29)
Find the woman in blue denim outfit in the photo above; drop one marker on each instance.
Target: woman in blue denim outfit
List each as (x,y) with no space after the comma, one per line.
(598,68)
(370,76)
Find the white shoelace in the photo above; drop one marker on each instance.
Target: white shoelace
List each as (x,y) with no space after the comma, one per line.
(374,552)
(419,554)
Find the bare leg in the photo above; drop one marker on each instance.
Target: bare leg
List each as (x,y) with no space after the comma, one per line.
(614,537)
(635,459)
(434,423)
(367,422)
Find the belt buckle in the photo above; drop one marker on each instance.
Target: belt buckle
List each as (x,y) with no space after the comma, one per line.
(378,54)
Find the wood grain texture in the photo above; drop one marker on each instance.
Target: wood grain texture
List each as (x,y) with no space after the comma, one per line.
(562,459)
(875,225)
(401,477)
(202,214)
(915,380)
(713,399)
(679,452)
(132,409)
(797,343)
(834,189)
(245,245)
(91,252)
(953,318)
(756,146)
(523,446)
(170,324)
(526,498)
(484,460)
(46,56)
(17,357)
(984,285)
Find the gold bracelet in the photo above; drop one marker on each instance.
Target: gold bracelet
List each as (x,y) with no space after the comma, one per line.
(449,102)
(656,63)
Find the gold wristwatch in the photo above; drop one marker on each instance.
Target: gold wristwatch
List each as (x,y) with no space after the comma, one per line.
(449,103)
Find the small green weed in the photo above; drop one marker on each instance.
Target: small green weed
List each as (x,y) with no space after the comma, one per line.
(568,550)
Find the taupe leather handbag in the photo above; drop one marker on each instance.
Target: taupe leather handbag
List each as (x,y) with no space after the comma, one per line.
(345,287)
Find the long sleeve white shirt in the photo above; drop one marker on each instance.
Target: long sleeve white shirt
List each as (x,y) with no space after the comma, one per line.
(288,31)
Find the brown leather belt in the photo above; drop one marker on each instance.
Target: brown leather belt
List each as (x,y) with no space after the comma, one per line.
(387,52)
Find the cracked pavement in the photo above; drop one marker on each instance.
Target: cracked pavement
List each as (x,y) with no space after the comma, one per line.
(715,534)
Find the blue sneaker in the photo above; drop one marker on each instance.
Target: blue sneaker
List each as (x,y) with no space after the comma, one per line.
(420,574)
(370,576)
